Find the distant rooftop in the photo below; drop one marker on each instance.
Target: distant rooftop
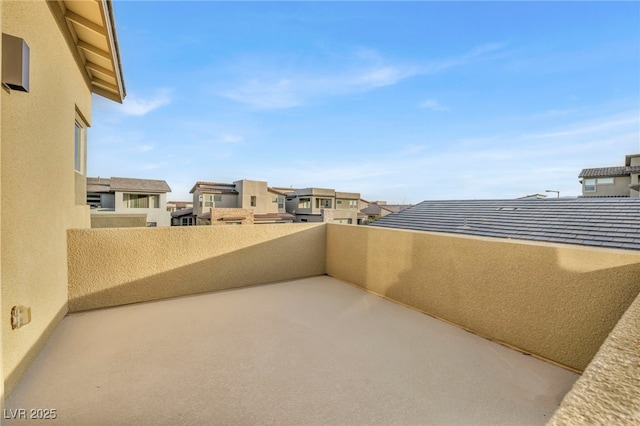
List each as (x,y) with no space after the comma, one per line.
(603,222)
(607,171)
(126,184)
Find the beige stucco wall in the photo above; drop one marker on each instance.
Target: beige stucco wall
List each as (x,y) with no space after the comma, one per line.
(244,216)
(557,302)
(37,159)
(115,220)
(1,350)
(608,393)
(620,187)
(109,267)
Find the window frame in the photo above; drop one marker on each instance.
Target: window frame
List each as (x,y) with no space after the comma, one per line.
(80,144)
(590,185)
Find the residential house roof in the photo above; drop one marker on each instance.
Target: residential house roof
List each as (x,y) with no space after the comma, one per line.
(106,185)
(139,185)
(603,222)
(182,212)
(90,24)
(605,172)
(98,184)
(374,209)
(275,191)
(211,186)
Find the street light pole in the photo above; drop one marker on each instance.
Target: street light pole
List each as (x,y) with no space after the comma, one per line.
(557,192)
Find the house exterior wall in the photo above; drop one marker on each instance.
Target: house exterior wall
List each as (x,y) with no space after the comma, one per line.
(158,215)
(2,397)
(619,188)
(273,207)
(228,201)
(253,188)
(116,220)
(557,302)
(110,267)
(38,145)
(241,216)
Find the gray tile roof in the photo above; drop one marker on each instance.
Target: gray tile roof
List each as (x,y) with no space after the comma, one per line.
(126,184)
(98,184)
(182,212)
(603,222)
(139,185)
(606,172)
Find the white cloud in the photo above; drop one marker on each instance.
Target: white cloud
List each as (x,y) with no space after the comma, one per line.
(265,95)
(229,138)
(267,84)
(138,106)
(432,105)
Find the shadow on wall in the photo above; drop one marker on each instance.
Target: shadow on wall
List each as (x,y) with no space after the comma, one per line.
(558,303)
(98,280)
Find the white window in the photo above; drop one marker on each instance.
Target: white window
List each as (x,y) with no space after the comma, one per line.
(187,221)
(79,145)
(208,200)
(281,203)
(353,204)
(324,203)
(141,201)
(304,203)
(589,185)
(605,181)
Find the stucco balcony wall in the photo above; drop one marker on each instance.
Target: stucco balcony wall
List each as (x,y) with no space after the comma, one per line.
(111,267)
(557,302)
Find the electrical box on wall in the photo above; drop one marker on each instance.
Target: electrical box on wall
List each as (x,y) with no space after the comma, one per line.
(15,63)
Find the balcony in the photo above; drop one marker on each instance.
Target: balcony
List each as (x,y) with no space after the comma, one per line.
(296,324)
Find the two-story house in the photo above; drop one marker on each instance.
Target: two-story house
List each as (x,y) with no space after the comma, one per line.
(617,181)
(323,205)
(121,202)
(241,202)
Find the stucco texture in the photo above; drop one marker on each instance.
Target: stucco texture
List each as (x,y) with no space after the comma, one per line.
(108,220)
(38,181)
(110,267)
(557,302)
(608,393)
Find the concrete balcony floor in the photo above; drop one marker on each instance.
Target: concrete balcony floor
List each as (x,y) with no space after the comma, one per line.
(310,351)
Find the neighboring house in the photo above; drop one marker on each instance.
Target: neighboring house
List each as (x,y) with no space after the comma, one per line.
(114,200)
(55,54)
(617,181)
(377,209)
(602,222)
(173,206)
(323,205)
(532,197)
(241,202)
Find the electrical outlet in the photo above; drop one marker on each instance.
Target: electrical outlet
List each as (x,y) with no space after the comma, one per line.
(20,315)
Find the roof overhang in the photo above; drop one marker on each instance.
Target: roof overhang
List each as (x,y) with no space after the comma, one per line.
(93,31)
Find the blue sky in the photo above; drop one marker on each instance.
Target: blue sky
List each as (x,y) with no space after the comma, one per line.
(400,101)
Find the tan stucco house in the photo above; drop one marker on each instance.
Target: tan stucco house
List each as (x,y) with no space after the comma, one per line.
(323,205)
(239,203)
(55,54)
(616,181)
